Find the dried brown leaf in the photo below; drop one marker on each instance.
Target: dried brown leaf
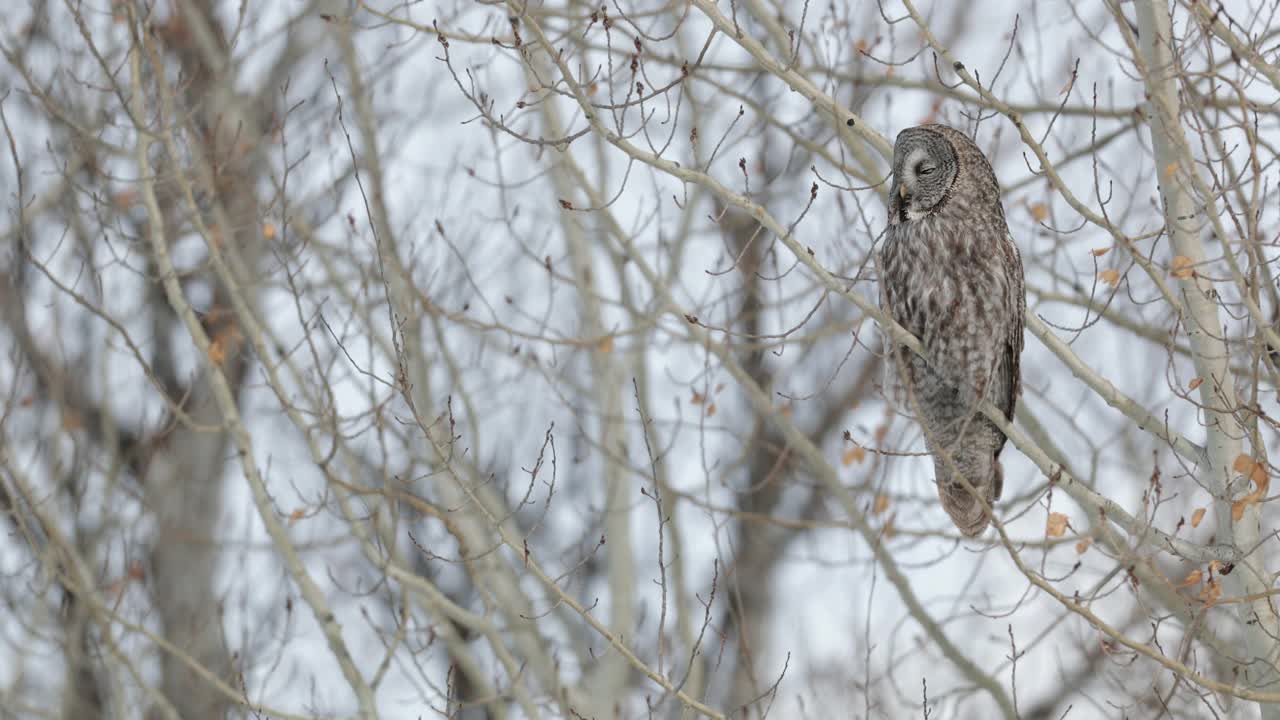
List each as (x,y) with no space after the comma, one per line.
(1196,517)
(1182,267)
(1257,474)
(1056,526)
(1242,464)
(881,504)
(1211,591)
(853,455)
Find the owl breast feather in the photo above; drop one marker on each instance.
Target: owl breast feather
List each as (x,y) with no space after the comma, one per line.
(948,288)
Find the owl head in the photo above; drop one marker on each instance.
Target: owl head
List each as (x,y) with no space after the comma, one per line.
(924,169)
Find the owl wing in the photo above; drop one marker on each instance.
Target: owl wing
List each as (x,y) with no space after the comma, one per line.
(1017,303)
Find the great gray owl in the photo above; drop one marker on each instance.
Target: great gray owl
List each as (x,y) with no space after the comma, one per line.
(952,275)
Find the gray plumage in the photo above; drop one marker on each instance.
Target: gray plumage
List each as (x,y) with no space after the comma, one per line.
(952,275)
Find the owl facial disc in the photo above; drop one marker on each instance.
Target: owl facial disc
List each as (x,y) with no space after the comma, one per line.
(924,167)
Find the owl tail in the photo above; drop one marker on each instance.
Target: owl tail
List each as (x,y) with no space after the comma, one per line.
(982,468)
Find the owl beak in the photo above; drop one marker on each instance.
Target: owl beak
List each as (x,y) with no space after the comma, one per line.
(902,191)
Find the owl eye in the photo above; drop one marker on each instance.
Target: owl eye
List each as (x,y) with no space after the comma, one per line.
(925,169)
